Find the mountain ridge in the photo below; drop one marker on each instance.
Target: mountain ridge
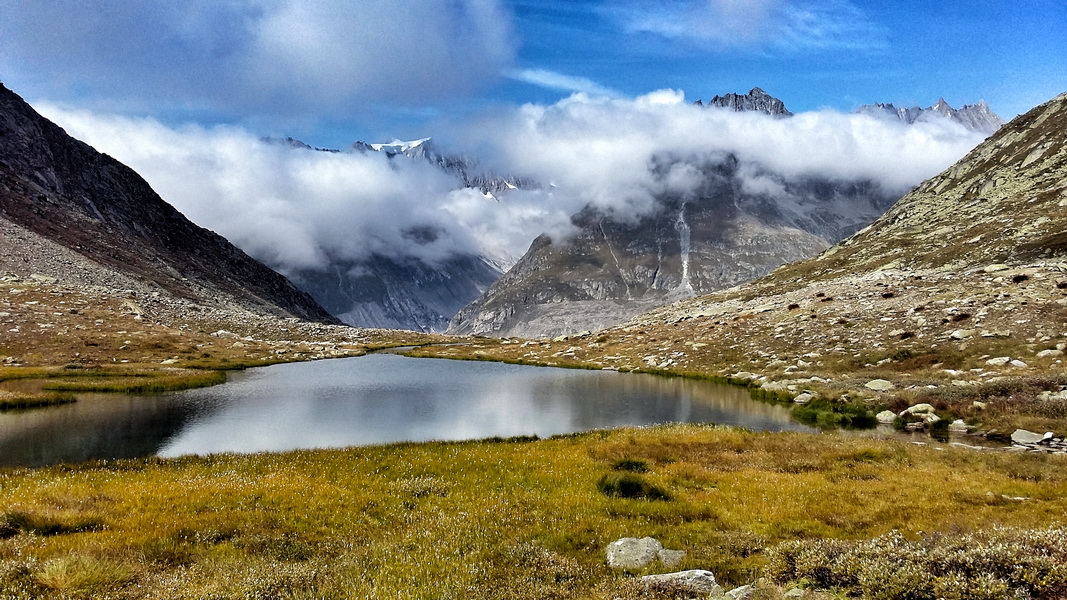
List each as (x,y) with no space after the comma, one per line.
(62,189)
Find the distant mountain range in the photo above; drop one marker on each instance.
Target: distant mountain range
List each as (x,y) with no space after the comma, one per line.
(82,218)
(978,117)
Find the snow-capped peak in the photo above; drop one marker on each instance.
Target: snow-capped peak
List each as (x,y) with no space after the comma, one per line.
(398,146)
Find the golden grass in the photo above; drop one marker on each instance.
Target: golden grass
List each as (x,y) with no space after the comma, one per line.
(512,519)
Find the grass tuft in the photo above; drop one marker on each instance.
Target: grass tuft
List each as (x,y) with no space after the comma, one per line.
(630,485)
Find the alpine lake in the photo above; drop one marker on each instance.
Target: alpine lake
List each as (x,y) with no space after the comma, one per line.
(375,399)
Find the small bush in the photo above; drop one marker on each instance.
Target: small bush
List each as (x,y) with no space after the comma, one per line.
(1001,563)
(630,485)
(633,465)
(48,523)
(82,575)
(831,413)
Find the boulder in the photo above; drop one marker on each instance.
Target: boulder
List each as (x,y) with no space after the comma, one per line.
(1049,353)
(918,409)
(1018,363)
(879,385)
(633,553)
(958,426)
(999,361)
(804,398)
(886,417)
(671,558)
(696,581)
(742,593)
(961,334)
(1022,436)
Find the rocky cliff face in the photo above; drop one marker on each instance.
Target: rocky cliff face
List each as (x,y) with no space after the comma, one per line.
(395,293)
(724,235)
(59,188)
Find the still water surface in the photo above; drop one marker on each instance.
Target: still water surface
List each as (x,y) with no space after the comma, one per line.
(373,399)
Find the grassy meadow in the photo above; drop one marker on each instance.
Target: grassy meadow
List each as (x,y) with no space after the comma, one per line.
(528,518)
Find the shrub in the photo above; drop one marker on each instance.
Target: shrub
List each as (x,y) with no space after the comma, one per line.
(633,465)
(1000,563)
(630,485)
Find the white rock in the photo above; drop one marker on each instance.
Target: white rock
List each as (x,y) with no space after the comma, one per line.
(671,558)
(918,409)
(1022,436)
(961,334)
(1018,363)
(696,581)
(958,426)
(804,398)
(742,593)
(999,361)
(886,417)
(633,553)
(879,385)
(1049,353)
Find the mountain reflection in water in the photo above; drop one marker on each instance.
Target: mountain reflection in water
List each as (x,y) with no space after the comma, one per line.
(373,399)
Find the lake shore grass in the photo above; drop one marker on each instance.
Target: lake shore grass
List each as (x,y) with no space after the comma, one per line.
(519,518)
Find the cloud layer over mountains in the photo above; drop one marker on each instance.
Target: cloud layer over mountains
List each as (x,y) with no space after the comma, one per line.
(297,209)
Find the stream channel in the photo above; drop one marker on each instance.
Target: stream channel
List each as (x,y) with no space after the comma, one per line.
(373,399)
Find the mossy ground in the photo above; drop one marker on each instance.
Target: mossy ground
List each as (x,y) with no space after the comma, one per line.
(492,519)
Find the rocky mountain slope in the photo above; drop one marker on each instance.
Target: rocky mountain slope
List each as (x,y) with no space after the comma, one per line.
(957,294)
(612,270)
(108,226)
(978,117)
(396,293)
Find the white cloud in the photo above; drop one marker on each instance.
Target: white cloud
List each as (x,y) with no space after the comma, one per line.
(561,82)
(282,58)
(300,209)
(605,151)
(789,25)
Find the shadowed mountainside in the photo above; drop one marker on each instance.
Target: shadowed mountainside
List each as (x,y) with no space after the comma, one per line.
(65,191)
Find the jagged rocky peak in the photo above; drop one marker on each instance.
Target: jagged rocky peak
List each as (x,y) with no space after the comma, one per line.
(755,100)
(977,117)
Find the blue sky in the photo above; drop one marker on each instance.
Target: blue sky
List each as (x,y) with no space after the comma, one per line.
(332,71)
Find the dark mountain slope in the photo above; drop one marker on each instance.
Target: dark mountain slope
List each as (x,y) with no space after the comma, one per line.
(64,190)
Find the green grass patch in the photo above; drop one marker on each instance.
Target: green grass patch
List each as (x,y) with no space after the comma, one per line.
(139,383)
(24,401)
(835,413)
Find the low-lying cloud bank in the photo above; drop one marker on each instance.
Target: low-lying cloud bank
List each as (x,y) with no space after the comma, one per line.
(299,209)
